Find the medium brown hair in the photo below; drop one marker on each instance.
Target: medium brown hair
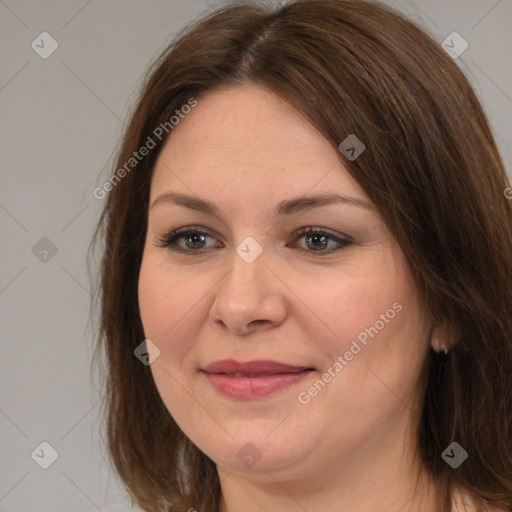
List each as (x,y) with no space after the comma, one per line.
(430,166)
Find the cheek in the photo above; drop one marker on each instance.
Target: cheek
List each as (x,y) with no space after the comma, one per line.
(162,301)
(171,303)
(350,309)
(375,326)
(154,301)
(384,346)
(373,319)
(168,306)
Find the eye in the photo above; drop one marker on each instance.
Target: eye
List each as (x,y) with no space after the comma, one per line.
(318,239)
(194,240)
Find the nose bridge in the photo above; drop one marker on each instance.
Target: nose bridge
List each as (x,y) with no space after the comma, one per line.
(248,266)
(247,292)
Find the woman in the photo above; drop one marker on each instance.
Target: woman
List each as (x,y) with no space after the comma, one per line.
(304,295)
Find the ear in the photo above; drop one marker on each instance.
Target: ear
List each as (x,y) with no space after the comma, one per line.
(443,337)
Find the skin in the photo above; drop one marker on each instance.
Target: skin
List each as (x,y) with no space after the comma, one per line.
(352,447)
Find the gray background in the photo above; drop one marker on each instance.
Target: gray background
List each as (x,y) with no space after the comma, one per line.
(61,121)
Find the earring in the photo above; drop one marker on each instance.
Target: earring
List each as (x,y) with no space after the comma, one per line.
(445,351)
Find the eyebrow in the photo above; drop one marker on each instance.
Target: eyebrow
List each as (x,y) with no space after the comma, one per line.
(283,208)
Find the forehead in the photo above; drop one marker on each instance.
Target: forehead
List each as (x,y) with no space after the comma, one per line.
(245,117)
(247,137)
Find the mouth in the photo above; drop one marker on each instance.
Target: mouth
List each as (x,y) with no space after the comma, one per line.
(254,379)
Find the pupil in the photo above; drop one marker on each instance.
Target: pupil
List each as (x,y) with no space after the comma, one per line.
(318,238)
(194,239)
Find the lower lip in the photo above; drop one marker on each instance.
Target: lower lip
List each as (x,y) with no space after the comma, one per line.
(253,387)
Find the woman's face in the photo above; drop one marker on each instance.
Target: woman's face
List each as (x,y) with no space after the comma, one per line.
(337,305)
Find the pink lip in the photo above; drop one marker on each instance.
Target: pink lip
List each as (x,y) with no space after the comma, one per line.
(252,379)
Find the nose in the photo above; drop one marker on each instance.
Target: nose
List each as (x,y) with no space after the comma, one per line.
(250,297)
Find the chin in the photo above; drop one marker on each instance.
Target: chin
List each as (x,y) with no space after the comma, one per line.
(250,452)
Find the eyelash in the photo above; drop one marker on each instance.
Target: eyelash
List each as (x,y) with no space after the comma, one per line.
(169,240)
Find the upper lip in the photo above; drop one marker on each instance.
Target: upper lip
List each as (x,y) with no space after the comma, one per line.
(252,367)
